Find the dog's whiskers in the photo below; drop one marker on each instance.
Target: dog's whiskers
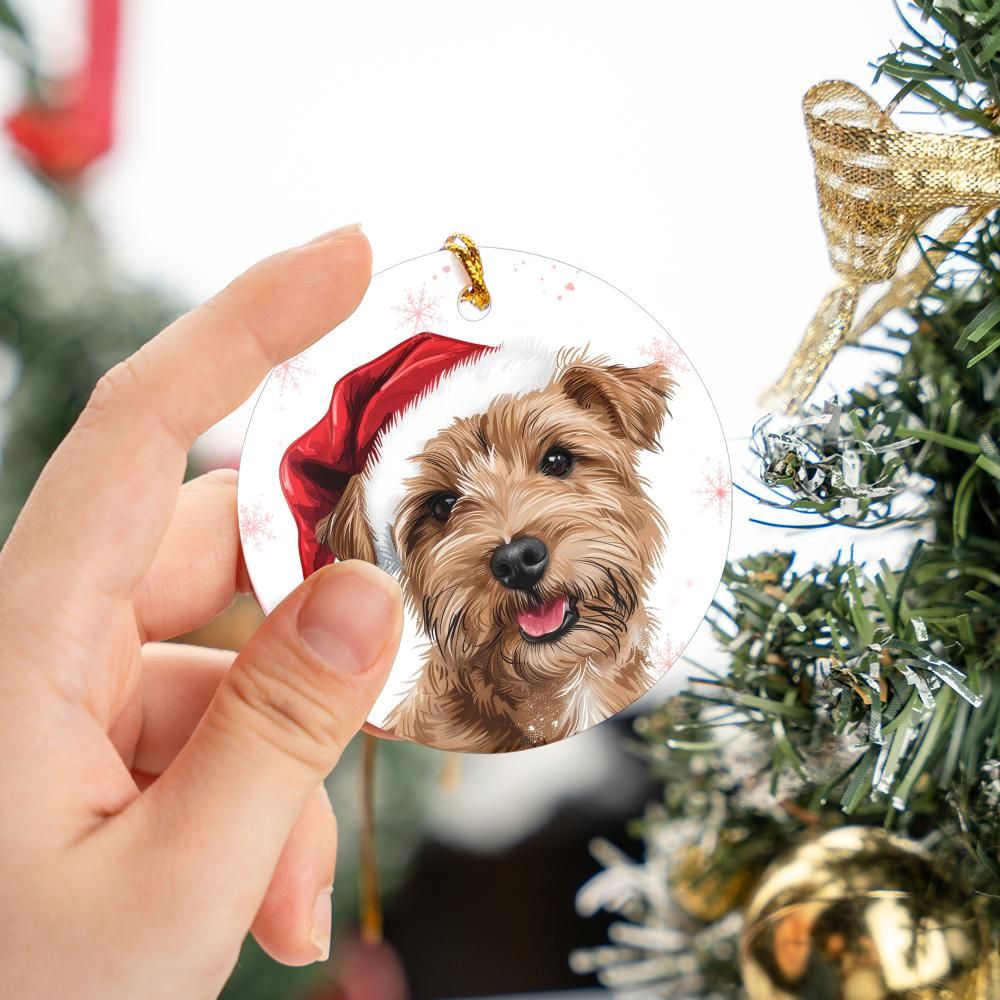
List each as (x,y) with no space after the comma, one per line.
(606,627)
(632,587)
(609,618)
(429,606)
(456,620)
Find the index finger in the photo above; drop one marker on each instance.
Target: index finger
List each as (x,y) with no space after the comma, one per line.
(105,499)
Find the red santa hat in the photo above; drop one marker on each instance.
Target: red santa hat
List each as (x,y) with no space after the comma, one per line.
(380,418)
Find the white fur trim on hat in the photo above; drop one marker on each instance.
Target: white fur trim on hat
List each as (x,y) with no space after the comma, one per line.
(467,389)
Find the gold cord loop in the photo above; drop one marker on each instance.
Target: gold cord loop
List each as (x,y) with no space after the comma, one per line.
(878,187)
(371,900)
(467,252)
(478,294)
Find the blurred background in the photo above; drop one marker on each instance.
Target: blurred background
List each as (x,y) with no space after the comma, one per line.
(152,151)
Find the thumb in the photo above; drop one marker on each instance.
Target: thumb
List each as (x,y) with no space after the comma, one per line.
(292,701)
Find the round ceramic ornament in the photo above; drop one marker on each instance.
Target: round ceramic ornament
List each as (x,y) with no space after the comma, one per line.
(537,462)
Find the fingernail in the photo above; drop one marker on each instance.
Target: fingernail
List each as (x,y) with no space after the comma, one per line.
(322,923)
(333,234)
(347,615)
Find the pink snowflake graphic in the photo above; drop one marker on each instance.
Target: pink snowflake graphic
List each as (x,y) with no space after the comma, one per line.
(715,491)
(663,655)
(664,352)
(290,374)
(418,311)
(255,525)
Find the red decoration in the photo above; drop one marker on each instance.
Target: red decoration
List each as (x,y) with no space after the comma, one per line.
(63,137)
(316,469)
(366,972)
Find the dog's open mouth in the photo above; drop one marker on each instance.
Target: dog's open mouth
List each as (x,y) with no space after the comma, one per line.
(548,621)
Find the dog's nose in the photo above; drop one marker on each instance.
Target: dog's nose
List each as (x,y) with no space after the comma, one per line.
(519,564)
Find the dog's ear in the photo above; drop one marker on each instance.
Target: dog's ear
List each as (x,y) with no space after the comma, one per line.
(634,400)
(345,530)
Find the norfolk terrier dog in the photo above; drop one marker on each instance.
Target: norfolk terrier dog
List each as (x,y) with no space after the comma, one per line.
(526,545)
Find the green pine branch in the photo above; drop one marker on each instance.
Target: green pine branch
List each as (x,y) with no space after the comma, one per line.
(951,60)
(858,695)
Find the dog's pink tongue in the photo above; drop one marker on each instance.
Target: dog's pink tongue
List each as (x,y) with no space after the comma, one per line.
(543,618)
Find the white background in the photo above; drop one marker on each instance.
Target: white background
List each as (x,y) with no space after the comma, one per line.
(657,145)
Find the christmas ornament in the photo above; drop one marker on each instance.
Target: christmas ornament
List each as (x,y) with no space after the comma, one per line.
(878,187)
(859,914)
(65,133)
(520,445)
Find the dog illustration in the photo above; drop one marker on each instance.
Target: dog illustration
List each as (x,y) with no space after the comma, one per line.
(502,485)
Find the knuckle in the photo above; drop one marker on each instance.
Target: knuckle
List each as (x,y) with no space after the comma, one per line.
(125,388)
(216,481)
(289,712)
(224,479)
(114,386)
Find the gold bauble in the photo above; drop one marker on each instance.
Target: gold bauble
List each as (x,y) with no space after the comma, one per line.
(859,914)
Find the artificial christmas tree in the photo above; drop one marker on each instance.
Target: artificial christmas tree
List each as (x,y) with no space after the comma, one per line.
(856,696)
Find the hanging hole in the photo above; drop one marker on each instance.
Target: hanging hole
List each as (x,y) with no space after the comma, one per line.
(471,312)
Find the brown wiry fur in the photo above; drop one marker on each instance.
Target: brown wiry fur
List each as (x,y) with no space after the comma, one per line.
(345,530)
(482,687)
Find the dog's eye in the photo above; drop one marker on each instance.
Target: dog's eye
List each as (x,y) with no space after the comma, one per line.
(556,462)
(440,505)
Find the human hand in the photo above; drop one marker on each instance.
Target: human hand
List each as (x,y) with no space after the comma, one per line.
(116,885)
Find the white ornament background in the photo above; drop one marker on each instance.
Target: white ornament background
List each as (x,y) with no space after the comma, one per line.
(533,297)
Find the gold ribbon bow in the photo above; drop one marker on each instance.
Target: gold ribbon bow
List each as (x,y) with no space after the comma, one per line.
(878,186)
